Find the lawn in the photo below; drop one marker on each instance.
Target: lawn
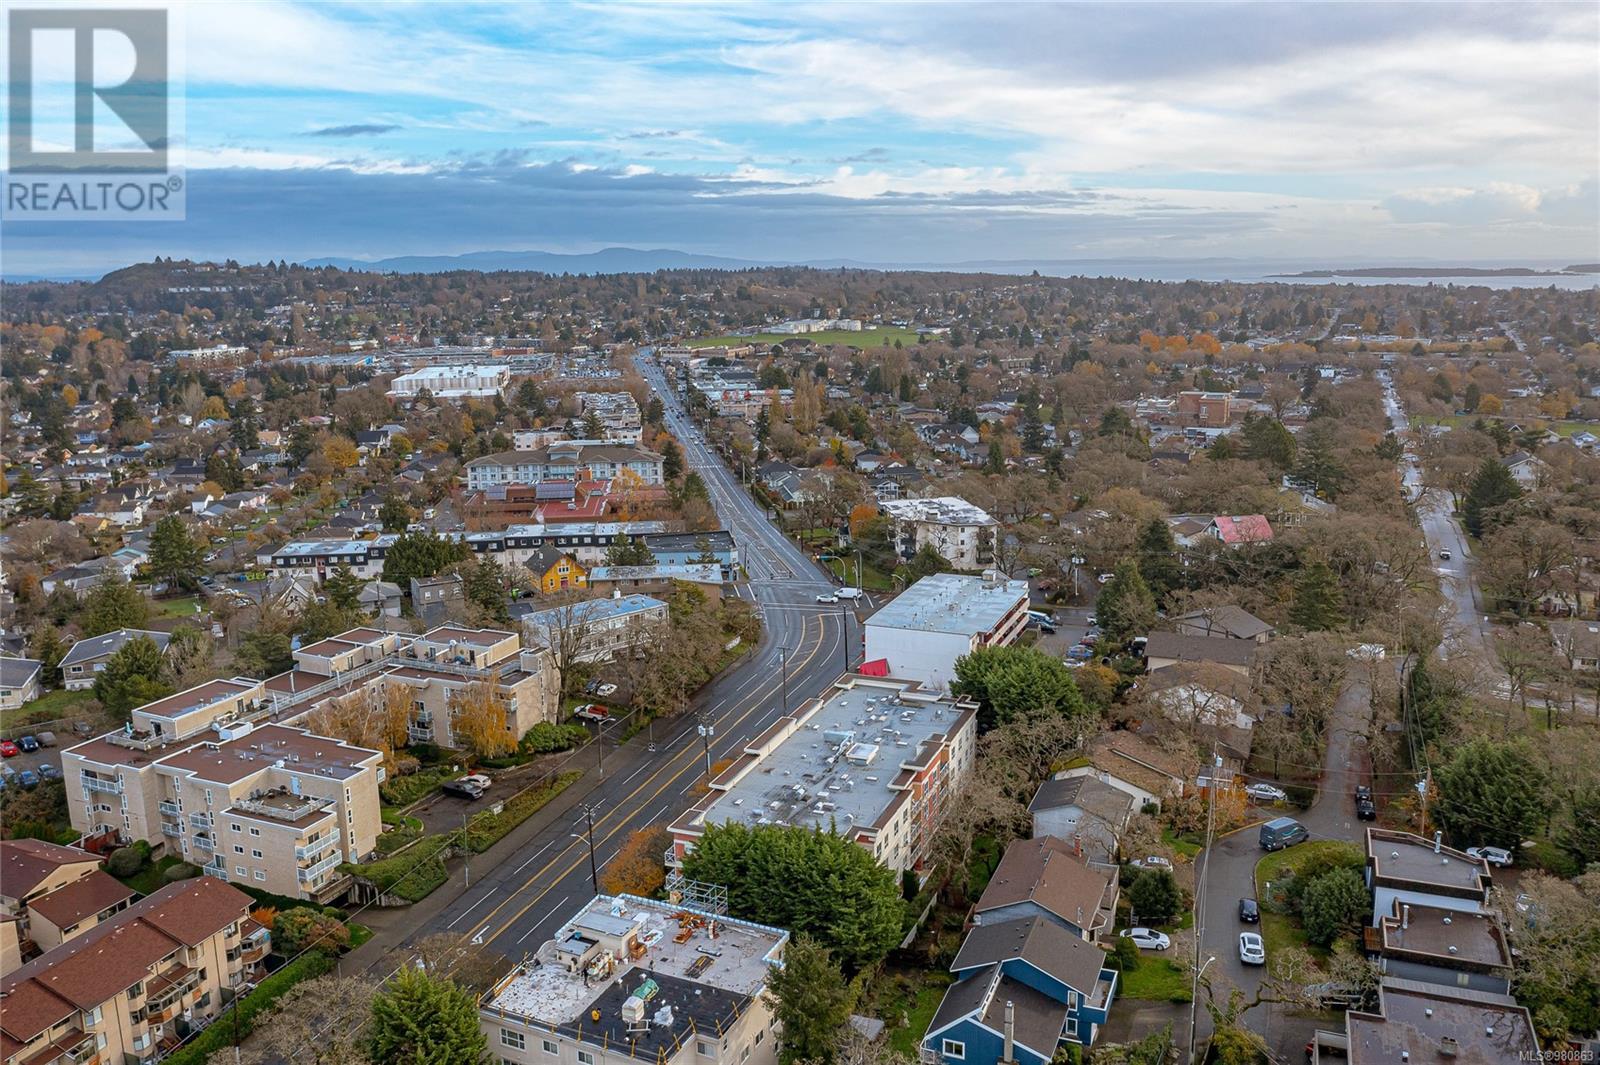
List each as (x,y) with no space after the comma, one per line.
(1561,426)
(1184,846)
(186,607)
(916,998)
(57,706)
(1155,980)
(873,580)
(1279,929)
(866,338)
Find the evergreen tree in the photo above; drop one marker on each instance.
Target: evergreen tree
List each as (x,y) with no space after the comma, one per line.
(49,648)
(113,604)
(626,551)
(1333,904)
(671,460)
(343,588)
(486,585)
(529,398)
(1222,449)
(395,514)
(132,677)
(1318,604)
(421,554)
(420,1020)
(1492,486)
(1267,440)
(1013,682)
(812,1002)
(1492,794)
(995,460)
(1158,558)
(1115,422)
(1154,896)
(1126,608)
(1317,464)
(174,556)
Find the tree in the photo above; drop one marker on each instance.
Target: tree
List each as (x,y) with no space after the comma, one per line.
(486,585)
(926,562)
(1333,904)
(421,1020)
(1556,936)
(1126,608)
(1318,605)
(454,956)
(809,881)
(395,514)
(1581,837)
(318,621)
(1013,682)
(1158,558)
(421,554)
(49,648)
(1493,794)
(1154,896)
(671,460)
(307,928)
(1267,440)
(264,652)
(113,604)
(626,551)
(189,657)
(340,452)
(636,868)
(343,588)
(811,1002)
(322,1021)
(132,677)
(1492,487)
(478,720)
(374,717)
(174,555)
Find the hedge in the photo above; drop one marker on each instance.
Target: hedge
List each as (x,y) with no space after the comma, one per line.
(221,1032)
(487,829)
(403,791)
(412,874)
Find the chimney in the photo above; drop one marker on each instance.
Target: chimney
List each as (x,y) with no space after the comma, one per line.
(1438,838)
(1405,916)
(1011,1032)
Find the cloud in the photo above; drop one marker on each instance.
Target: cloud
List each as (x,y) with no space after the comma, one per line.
(356,130)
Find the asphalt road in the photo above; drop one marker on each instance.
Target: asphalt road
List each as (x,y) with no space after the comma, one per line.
(514,906)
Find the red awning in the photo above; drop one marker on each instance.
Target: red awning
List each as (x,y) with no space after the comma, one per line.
(878,667)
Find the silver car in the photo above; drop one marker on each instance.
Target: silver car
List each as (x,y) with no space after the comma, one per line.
(1252,949)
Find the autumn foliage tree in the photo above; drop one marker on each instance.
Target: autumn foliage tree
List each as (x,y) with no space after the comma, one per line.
(637,868)
(478,720)
(376,718)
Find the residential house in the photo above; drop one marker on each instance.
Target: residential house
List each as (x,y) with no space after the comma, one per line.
(1023,989)
(627,979)
(1528,470)
(433,598)
(594,630)
(135,985)
(555,570)
(1241,530)
(1166,649)
(1228,621)
(381,598)
(1578,643)
(20,680)
(1133,764)
(89,656)
(1425,1023)
(1086,812)
(1406,868)
(657,579)
(959,531)
(1047,877)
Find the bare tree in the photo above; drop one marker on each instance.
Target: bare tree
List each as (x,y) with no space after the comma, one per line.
(322,1021)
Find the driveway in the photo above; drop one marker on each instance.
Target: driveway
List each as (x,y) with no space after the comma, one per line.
(1226,873)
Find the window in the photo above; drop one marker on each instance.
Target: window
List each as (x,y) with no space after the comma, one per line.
(240,870)
(703,1048)
(93,1016)
(549,1046)
(233,826)
(585,1058)
(260,875)
(254,831)
(238,848)
(744,1055)
(1072,1027)
(255,854)
(514,1040)
(1072,1000)
(953,1049)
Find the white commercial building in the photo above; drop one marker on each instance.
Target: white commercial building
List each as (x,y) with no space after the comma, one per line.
(920,635)
(962,533)
(452,382)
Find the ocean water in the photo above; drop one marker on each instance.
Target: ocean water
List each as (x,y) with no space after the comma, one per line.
(1258,270)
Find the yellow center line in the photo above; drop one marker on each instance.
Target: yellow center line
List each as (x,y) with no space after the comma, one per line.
(749,706)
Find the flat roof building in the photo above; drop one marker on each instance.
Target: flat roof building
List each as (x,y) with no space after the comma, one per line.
(875,760)
(921,633)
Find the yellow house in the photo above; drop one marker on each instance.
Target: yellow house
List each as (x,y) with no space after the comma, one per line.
(556,570)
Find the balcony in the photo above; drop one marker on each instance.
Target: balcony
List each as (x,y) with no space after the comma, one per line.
(205,843)
(102,784)
(200,821)
(216,867)
(316,847)
(312,872)
(172,828)
(280,805)
(70,1048)
(170,808)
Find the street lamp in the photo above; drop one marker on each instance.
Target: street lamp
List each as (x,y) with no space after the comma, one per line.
(1194,1001)
(844,645)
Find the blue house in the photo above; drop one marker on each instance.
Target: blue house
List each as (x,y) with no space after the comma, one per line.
(1053,984)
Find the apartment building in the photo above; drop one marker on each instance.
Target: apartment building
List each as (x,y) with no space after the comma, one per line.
(1421,1022)
(595,630)
(131,988)
(618,413)
(566,460)
(628,980)
(1212,410)
(961,532)
(920,634)
(875,759)
(220,775)
(49,894)
(1409,869)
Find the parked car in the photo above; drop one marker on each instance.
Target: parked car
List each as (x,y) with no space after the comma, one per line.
(1249,912)
(1153,861)
(46,739)
(49,772)
(593,712)
(1444,553)
(1493,855)
(1282,832)
(1265,792)
(606,690)
(28,779)
(1366,808)
(1252,949)
(1080,653)
(9,749)
(1146,938)
(28,744)
(827,597)
(464,789)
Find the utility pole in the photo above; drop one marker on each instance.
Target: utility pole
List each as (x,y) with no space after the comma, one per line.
(1199,893)
(707,730)
(783,663)
(844,646)
(588,820)
(466,851)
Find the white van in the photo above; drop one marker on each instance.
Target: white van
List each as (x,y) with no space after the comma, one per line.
(848,593)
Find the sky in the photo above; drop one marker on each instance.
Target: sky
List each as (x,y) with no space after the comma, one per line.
(1343,133)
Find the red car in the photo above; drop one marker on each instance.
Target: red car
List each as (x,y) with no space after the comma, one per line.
(9,749)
